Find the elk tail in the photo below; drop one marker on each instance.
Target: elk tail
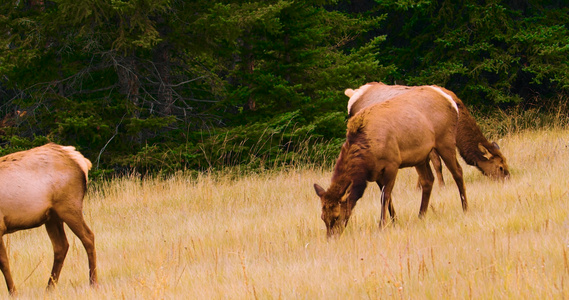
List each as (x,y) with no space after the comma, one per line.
(84,163)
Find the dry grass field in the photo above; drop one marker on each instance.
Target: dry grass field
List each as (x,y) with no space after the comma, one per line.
(260,236)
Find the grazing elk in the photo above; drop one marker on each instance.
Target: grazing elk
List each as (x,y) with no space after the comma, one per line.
(387,136)
(474,148)
(45,185)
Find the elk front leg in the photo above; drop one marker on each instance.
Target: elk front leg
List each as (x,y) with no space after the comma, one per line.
(4,265)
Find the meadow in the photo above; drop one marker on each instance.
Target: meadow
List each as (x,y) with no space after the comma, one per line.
(260,236)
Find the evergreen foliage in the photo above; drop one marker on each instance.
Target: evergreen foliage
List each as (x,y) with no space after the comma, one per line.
(488,52)
(168,85)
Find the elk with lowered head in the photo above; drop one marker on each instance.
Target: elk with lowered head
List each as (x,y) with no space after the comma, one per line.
(474,148)
(387,136)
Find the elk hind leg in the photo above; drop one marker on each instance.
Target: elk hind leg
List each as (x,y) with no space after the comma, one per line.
(449,158)
(426,179)
(60,245)
(77,224)
(437,165)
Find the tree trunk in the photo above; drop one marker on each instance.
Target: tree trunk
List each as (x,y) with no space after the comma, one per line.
(165,95)
(249,65)
(129,85)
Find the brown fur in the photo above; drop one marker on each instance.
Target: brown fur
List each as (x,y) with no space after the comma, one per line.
(383,138)
(471,142)
(474,148)
(372,93)
(45,185)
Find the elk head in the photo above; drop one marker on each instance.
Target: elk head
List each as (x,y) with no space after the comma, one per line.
(336,208)
(493,163)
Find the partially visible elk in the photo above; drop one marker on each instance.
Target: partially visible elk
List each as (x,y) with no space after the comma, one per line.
(10,120)
(45,186)
(387,136)
(474,148)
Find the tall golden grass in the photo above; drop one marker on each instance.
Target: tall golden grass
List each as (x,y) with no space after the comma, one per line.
(260,236)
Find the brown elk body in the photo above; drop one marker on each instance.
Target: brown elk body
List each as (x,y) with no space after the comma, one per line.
(387,136)
(474,148)
(45,185)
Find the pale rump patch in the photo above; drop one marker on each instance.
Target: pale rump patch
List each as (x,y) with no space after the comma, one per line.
(447,96)
(355,95)
(83,162)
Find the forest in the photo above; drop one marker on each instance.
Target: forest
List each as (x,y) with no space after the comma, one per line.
(159,86)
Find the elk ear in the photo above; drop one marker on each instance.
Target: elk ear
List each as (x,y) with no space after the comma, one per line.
(347,192)
(319,190)
(349,92)
(484,151)
(495,145)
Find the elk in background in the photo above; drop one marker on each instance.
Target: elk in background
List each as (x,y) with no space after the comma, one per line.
(9,120)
